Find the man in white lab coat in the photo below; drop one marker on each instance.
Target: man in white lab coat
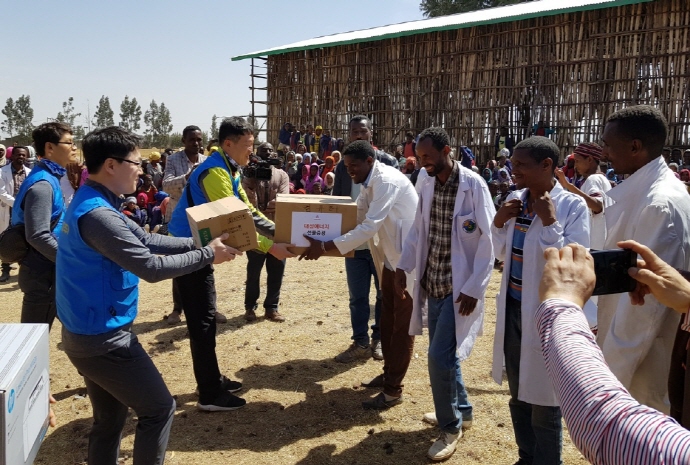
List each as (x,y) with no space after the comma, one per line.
(449,248)
(541,214)
(651,207)
(386,208)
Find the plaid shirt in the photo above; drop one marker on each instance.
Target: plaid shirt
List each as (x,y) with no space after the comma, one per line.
(438,276)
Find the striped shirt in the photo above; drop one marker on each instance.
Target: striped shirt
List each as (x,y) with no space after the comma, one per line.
(606,424)
(522,224)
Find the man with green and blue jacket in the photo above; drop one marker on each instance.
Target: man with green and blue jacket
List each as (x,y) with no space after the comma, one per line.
(216,178)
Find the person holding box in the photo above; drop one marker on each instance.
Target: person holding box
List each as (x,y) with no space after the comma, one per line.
(98,245)
(386,202)
(216,178)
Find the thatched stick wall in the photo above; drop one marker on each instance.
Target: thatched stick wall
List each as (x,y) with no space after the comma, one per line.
(571,71)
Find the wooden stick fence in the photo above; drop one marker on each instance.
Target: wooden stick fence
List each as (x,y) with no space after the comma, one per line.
(571,71)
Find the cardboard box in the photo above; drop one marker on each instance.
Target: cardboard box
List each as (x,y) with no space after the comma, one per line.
(229,215)
(24,391)
(324,217)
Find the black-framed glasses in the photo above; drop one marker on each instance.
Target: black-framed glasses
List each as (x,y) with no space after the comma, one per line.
(137,163)
(67,143)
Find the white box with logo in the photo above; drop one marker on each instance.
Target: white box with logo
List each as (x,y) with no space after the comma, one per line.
(24,391)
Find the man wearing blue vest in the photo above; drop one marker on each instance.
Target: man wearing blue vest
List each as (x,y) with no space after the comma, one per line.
(100,255)
(216,178)
(42,221)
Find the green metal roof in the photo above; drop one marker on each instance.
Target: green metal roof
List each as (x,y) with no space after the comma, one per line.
(520,11)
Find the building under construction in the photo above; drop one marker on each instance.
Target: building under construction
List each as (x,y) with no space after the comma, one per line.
(567,63)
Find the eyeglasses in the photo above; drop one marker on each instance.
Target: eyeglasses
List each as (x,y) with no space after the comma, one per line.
(67,143)
(137,163)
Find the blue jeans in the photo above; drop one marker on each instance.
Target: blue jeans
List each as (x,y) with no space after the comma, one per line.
(359,270)
(450,396)
(538,429)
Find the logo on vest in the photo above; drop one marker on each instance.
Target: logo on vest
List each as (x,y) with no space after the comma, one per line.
(469,226)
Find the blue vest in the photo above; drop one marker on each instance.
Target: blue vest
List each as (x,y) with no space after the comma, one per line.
(40,173)
(94,295)
(179,224)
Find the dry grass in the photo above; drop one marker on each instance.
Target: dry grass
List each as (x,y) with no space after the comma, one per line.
(303,408)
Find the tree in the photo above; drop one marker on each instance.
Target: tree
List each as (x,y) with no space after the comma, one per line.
(67,115)
(213,133)
(104,114)
(157,120)
(130,114)
(19,118)
(434,8)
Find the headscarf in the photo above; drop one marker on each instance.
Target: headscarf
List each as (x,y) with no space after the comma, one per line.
(504,152)
(311,180)
(686,171)
(611,175)
(487,174)
(589,149)
(410,163)
(8,152)
(154,156)
(327,170)
(330,179)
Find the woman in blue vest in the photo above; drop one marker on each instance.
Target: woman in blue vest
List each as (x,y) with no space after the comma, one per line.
(54,143)
(100,256)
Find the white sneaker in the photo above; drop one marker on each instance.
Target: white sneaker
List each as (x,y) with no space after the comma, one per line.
(376,349)
(432,420)
(444,446)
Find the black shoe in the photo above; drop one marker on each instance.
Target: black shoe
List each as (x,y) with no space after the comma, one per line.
(376,382)
(223,403)
(228,385)
(4,277)
(380,403)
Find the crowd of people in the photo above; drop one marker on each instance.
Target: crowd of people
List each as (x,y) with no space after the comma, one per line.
(427,236)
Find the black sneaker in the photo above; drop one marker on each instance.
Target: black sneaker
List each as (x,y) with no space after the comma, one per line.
(223,403)
(229,385)
(226,385)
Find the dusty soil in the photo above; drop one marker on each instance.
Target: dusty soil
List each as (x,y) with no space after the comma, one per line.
(303,407)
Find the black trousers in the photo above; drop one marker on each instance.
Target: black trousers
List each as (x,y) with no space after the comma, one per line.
(275,269)
(38,286)
(198,298)
(126,378)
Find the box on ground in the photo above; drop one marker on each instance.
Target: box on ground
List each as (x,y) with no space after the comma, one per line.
(229,215)
(323,217)
(24,391)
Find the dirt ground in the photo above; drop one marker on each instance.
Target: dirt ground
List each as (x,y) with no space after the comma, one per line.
(303,407)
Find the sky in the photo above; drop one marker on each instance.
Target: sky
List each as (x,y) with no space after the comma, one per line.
(173,51)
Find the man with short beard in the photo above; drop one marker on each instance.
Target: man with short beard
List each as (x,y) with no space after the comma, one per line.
(178,168)
(360,269)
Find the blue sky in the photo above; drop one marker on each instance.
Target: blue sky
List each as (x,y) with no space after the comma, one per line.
(171,51)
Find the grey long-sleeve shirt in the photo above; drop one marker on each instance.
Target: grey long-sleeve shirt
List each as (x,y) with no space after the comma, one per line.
(121,240)
(125,243)
(39,200)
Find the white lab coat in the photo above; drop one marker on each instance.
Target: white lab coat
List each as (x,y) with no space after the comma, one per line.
(383,207)
(471,253)
(652,207)
(571,226)
(6,194)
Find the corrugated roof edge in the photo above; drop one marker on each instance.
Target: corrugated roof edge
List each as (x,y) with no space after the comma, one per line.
(537,14)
